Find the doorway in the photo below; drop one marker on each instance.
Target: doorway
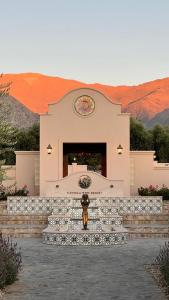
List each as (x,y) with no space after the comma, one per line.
(91,154)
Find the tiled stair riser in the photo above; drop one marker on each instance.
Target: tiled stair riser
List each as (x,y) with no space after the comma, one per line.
(85,239)
(54,220)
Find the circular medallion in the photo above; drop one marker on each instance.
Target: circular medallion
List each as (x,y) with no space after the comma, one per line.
(84,105)
(84,181)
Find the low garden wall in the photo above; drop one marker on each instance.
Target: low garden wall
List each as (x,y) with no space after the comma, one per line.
(44,205)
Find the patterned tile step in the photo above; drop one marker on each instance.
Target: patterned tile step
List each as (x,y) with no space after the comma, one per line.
(85,239)
(78,221)
(103,210)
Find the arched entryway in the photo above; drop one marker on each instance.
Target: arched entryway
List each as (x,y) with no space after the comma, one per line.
(92,154)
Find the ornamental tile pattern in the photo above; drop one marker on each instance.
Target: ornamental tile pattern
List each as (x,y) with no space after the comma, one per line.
(135,205)
(85,239)
(45,205)
(105,225)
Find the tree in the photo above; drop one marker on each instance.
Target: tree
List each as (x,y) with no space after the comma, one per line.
(140,138)
(156,139)
(160,136)
(7,132)
(28,139)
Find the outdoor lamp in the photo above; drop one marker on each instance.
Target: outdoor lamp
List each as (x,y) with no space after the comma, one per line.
(154,156)
(119,149)
(49,149)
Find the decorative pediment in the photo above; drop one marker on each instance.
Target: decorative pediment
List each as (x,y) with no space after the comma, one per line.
(84,102)
(85,182)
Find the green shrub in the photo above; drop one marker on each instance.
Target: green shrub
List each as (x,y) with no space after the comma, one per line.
(163,262)
(12,191)
(20,192)
(10,261)
(154,191)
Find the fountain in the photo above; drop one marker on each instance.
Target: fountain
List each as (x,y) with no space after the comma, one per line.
(65,226)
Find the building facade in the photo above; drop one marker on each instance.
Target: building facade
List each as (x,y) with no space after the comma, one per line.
(86,122)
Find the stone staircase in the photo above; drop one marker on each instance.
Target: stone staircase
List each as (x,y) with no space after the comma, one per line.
(138,226)
(65,224)
(21,225)
(3,207)
(166,207)
(146,226)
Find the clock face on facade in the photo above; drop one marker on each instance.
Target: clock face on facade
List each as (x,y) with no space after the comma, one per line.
(84,105)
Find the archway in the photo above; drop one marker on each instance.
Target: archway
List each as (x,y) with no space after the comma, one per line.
(93,154)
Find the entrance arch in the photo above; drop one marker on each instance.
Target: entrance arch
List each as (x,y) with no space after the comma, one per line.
(85,149)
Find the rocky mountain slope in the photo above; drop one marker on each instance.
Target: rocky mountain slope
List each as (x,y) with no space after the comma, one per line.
(144,101)
(160,118)
(16,113)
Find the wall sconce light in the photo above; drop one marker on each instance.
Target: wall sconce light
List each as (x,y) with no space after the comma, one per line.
(154,156)
(49,149)
(74,159)
(119,149)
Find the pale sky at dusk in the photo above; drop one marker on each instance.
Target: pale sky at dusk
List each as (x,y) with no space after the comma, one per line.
(107,41)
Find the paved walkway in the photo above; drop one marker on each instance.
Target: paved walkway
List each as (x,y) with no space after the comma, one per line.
(77,273)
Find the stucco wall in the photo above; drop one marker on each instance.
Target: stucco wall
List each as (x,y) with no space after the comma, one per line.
(26,165)
(145,171)
(10,174)
(63,125)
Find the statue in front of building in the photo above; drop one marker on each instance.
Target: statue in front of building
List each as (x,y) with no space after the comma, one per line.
(85,204)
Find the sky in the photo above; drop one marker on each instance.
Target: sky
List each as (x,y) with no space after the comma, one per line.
(117,42)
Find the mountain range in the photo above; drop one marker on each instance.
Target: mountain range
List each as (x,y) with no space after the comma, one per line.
(148,102)
(17,114)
